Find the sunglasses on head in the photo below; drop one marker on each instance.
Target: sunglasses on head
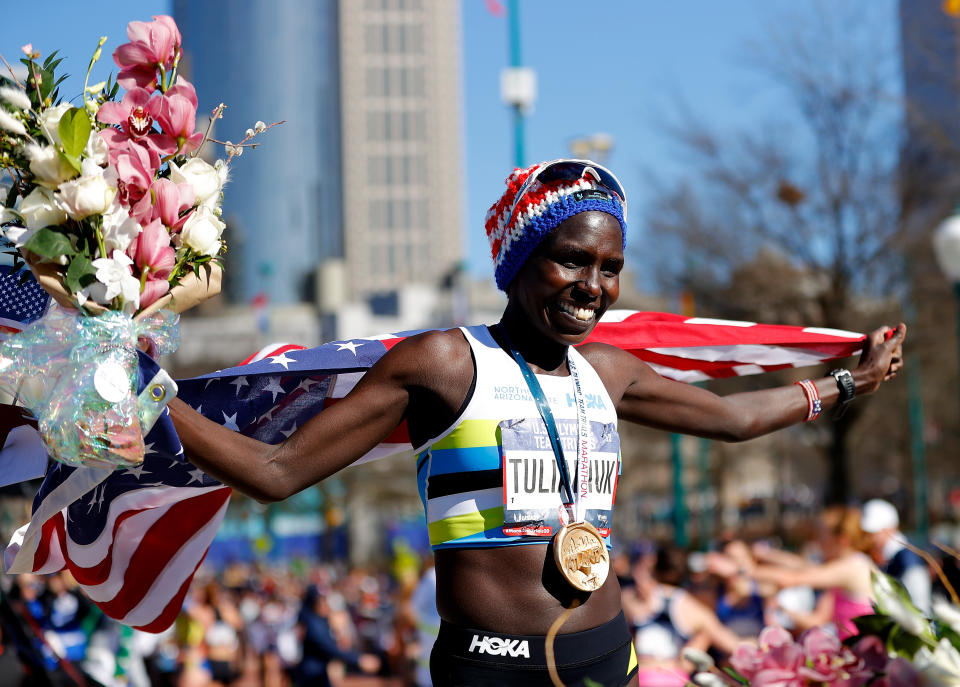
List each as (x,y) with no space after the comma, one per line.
(571,170)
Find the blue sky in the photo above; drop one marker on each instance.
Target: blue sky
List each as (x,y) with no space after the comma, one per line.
(608,66)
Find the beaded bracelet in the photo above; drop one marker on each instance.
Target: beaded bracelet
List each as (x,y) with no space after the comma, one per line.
(814,404)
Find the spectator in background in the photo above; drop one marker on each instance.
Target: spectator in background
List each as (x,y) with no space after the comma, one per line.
(882,523)
(742,604)
(665,619)
(844,574)
(324,642)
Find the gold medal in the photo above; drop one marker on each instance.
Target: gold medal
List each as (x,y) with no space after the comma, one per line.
(581,556)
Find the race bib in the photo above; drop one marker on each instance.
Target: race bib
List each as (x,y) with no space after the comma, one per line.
(532,491)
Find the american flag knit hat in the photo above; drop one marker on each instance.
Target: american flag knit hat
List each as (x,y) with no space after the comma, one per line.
(540,197)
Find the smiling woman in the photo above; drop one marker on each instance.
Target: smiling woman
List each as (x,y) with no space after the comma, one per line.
(515,431)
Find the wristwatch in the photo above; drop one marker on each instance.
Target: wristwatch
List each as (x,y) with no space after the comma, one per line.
(846,385)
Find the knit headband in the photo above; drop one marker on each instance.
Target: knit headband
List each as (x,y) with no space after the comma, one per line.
(527,212)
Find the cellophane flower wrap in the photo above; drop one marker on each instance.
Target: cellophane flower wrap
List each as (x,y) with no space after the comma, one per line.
(110,205)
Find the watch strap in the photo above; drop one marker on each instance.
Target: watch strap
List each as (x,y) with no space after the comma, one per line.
(845,384)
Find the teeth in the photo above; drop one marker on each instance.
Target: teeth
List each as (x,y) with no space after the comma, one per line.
(582,314)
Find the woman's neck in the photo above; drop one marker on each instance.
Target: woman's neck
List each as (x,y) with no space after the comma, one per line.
(544,355)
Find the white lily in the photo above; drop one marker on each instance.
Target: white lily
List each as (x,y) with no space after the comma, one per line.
(940,667)
(946,613)
(114,273)
(895,603)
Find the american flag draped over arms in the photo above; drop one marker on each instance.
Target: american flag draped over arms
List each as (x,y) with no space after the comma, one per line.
(133,538)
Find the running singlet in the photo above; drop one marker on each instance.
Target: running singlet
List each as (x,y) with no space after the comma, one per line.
(491,479)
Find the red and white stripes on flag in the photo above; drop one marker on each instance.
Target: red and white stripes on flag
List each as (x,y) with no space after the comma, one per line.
(695,349)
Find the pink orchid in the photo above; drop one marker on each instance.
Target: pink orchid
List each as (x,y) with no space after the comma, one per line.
(135,167)
(152,251)
(774,662)
(135,114)
(156,259)
(152,45)
(177,117)
(828,661)
(167,201)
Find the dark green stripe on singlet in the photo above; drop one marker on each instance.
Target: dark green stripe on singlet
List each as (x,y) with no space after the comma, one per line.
(457,482)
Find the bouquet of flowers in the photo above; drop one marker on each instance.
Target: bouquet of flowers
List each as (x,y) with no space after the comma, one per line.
(118,217)
(897,646)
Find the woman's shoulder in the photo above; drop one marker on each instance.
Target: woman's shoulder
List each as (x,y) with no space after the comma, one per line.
(438,360)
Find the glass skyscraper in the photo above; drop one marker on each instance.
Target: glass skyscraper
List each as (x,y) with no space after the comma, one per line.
(367,167)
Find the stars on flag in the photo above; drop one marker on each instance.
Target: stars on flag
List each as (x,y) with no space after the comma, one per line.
(349,346)
(230,421)
(273,386)
(282,359)
(240,382)
(137,471)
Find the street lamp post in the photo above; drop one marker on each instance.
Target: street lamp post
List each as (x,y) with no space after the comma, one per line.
(518,86)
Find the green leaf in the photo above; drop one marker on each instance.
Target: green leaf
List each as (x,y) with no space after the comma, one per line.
(81,273)
(74,130)
(903,643)
(951,635)
(879,625)
(73,161)
(736,676)
(49,244)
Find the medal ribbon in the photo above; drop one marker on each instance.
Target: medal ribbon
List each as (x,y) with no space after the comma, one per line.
(571,499)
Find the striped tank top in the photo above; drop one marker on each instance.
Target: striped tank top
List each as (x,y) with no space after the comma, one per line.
(491,478)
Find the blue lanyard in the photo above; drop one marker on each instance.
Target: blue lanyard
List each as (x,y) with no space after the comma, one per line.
(541,400)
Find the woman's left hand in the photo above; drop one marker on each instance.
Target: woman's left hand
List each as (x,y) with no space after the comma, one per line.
(881,358)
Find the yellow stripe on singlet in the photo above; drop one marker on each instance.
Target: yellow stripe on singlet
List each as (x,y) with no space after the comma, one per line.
(456,526)
(633,658)
(470,434)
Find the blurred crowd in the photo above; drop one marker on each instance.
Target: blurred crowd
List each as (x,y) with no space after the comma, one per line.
(247,626)
(326,624)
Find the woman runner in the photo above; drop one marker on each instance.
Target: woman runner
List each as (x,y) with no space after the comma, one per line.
(520,537)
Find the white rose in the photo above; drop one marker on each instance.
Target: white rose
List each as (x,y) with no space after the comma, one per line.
(39,209)
(119,228)
(50,121)
(88,195)
(96,148)
(202,177)
(48,167)
(202,232)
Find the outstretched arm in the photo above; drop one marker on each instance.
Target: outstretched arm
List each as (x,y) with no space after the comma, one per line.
(643,396)
(333,439)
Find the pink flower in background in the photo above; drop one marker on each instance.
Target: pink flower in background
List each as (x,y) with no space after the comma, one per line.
(829,662)
(135,167)
(151,45)
(774,662)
